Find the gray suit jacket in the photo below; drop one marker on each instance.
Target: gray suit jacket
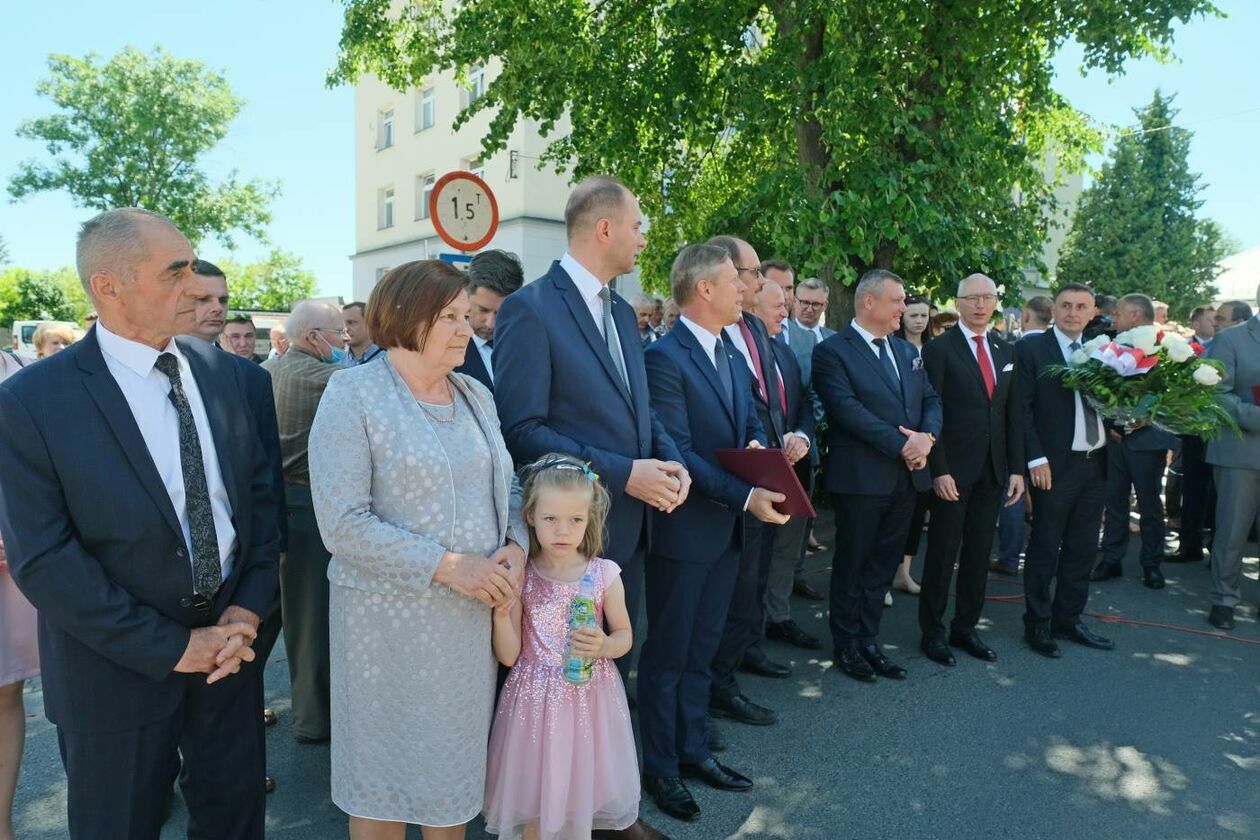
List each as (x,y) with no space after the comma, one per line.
(1238,348)
(802,342)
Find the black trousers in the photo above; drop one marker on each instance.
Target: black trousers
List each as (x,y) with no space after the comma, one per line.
(686,611)
(1144,471)
(870,536)
(118,781)
(1198,495)
(1064,540)
(304,609)
(961,530)
(745,615)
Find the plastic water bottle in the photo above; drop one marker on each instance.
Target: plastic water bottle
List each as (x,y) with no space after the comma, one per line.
(577,669)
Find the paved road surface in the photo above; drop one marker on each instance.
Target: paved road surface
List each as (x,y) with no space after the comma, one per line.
(1157,739)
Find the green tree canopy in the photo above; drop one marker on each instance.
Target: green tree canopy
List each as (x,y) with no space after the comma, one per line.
(1136,228)
(131,132)
(27,295)
(272,284)
(840,134)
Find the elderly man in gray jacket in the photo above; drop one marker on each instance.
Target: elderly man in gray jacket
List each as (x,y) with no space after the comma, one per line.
(1235,461)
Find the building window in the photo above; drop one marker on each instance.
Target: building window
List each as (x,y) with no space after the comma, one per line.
(381,272)
(385,129)
(424,189)
(474,165)
(426,108)
(476,85)
(385,208)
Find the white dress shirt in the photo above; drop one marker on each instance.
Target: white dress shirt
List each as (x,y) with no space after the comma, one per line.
(146,390)
(486,352)
(869,338)
(588,286)
(970,335)
(1079,441)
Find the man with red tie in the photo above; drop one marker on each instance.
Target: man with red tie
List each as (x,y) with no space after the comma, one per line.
(974,373)
(738,648)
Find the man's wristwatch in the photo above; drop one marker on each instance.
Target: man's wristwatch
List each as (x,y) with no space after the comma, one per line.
(931,437)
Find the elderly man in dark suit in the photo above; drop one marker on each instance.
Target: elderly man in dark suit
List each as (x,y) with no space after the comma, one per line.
(702,392)
(1235,461)
(883,418)
(1063,438)
(1135,460)
(492,276)
(569,376)
(145,590)
(973,371)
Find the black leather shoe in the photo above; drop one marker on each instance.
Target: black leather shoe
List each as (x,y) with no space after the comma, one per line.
(809,593)
(717,743)
(790,633)
(756,662)
(1082,635)
(971,643)
(671,795)
(852,663)
(1004,568)
(1040,640)
(741,710)
(716,775)
(269,784)
(881,664)
(1184,556)
(1153,579)
(1222,617)
(936,650)
(269,717)
(1104,571)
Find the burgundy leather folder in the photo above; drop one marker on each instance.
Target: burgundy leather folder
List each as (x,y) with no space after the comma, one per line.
(769,468)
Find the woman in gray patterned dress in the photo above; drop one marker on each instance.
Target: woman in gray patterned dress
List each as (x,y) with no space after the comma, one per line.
(418,504)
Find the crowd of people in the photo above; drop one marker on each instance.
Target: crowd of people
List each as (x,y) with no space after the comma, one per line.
(417,490)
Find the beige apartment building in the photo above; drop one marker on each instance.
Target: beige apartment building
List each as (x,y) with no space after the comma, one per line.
(404,142)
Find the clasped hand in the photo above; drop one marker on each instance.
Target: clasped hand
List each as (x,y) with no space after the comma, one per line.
(662,484)
(221,650)
(916,448)
(494,580)
(589,642)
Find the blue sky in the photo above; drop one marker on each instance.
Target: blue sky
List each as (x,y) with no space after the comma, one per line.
(275,54)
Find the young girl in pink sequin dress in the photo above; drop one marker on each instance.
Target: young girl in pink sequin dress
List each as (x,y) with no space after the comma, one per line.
(562,760)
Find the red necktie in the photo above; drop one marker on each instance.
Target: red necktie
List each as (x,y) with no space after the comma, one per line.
(756,359)
(986,367)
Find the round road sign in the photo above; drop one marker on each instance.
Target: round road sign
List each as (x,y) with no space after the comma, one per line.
(463,211)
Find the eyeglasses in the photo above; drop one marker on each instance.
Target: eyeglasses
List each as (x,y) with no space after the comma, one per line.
(809,304)
(756,272)
(974,299)
(337,330)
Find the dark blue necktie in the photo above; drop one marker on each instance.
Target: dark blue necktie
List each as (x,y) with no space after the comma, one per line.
(207,571)
(723,365)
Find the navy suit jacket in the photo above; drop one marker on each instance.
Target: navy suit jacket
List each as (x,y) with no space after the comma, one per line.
(800,407)
(690,401)
(95,544)
(475,366)
(864,410)
(558,391)
(262,404)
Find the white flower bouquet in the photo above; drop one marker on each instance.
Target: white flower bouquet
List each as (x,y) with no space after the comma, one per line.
(1146,376)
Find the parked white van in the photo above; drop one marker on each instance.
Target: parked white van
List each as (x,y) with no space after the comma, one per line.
(24,335)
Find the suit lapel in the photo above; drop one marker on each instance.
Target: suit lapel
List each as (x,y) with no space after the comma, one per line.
(707,369)
(869,357)
(113,405)
(214,384)
(958,342)
(586,325)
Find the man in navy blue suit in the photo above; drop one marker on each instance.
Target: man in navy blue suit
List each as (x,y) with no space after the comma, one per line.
(569,376)
(702,392)
(146,589)
(492,276)
(883,420)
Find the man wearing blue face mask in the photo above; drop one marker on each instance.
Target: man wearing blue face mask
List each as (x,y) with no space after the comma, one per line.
(317,337)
